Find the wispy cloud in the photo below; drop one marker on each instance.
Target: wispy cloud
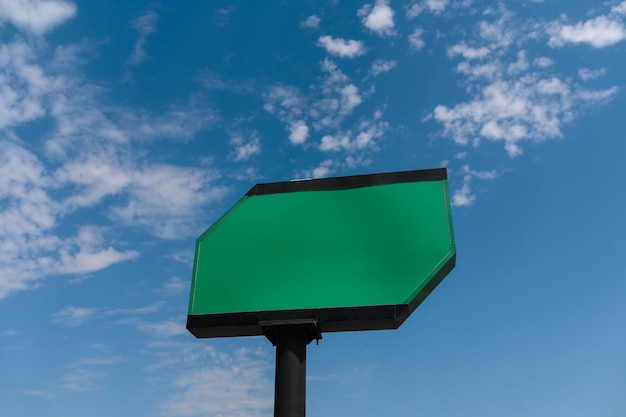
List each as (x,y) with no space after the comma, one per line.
(73,316)
(432,6)
(149,309)
(367,133)
(36,16)
(85,375)
(311,22)
(163,329)
(512,102)
(378,18)
(587,74)
(174,286)
(514,97)
(620,8)
(164,198)
(234,384)
(245,147)
(88,158)
(86,252)
(341,47)
(222,16)
(340,97)
(145,25)
(381,66)
(464,195)
(415,39)
(321,113)
(543,62)
(334,98)
(468,52)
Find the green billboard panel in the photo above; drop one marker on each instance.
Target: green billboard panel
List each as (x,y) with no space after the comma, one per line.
(350,253)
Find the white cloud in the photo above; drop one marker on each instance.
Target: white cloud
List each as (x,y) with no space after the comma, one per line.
(339,97)
(415,39)
(329,102)
(464,196)
(527,108)
(237,384)
(510,102)
(84,376)
(164,329)
(36,16)
(163,198)
(28,250)
(620,8)
(500,33)
(91,155)
(166,198)
(335,143)
(95,176)
(311,22)
(597,96)
(299,132)
(80,380)
(542,62)
(149,309)
(433,6)
(245,148)
(381,66)
(599,32)
(222,16)
(436,6)
(379,18)
(587,74)
(520,65)
(341,47)
(284,101)
(72,316)
(468,52)
(145,25)
(86,253)
(323,170)
(350,98)
(487,70)
(288,105)
(24,84)
(365,138)
(174,286)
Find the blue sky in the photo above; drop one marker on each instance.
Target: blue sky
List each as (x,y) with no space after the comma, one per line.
(127,128)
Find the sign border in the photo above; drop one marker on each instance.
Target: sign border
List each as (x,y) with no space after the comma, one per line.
(329,319)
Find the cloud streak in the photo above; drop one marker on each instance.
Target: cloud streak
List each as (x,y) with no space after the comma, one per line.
(145,25)
(234,384)
(89,159)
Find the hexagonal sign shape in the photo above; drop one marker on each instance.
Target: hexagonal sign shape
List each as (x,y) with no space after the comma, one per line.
(349,253)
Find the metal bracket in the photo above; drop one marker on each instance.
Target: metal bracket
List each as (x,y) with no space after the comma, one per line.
(309,328)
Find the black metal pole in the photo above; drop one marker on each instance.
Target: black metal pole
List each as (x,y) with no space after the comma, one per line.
(290,382)
(290,379)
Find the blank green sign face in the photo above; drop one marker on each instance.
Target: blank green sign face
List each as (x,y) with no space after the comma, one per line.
(352,253)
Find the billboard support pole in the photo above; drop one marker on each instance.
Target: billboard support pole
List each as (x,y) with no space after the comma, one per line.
(290,379)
